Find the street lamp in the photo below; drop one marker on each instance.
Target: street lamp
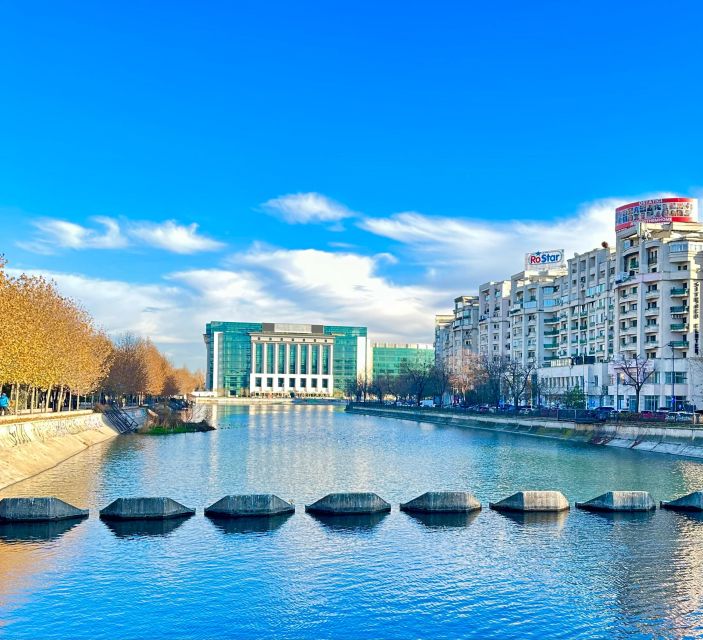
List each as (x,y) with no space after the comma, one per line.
(673,376)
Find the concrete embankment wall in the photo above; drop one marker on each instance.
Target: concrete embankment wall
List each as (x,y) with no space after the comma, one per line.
(682,441)
(32,444)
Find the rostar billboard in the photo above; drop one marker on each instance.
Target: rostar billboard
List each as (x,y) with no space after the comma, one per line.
(541,260)
(656,210)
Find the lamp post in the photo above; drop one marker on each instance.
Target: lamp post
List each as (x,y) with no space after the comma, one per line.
(673,376)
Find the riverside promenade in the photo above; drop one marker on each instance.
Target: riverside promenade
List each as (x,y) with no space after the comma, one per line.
(681,440)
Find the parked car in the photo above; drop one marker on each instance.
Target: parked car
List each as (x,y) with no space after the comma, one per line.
(680,416)
(427,403)
(603,413)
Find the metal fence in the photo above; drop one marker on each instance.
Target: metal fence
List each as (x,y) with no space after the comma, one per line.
(658,418)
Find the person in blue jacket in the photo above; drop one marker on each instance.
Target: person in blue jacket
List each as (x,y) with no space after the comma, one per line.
(4,404)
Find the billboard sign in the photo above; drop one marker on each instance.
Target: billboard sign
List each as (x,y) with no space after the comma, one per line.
(656,210)
(543,260)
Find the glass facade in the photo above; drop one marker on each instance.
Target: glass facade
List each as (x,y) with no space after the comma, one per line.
(233,355)
(345,363)
(388,359)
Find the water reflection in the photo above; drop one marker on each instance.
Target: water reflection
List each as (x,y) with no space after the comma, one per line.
(36,531)
(548,519)
(350,523)
(249,525)
(623,517)
(144,528)
(444,520)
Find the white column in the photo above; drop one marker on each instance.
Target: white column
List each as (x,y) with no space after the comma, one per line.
(253,357)
(309,362)
(275,361)
(264,357)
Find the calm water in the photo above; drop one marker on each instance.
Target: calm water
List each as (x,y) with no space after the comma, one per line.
(397,576)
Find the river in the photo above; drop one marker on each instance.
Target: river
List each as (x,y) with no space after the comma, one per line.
(576,575)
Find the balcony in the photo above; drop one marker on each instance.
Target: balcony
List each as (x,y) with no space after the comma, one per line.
(679,326)
(679,291)
(679,344)
(551,332)
(679,309)
(651,310)
(651,294)
(551,320)
(551,345)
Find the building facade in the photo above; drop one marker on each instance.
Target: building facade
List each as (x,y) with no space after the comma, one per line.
(283,359)
(577,321)
(390,358)
(457,334)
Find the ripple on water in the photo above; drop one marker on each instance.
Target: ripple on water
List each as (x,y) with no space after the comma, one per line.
(396,575)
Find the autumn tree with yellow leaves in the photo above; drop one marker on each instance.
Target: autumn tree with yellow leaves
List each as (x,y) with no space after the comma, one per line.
(52,354)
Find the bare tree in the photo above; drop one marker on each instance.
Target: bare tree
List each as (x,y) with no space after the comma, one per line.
(467,375)
(358,388)
(419,377)
(517,377)
(635,373)
(492,374)
(442,376)
(382,386)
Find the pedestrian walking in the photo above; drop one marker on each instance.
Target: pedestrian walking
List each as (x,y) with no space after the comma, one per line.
(4,404)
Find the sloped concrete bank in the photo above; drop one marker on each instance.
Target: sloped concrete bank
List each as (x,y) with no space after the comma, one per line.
(680,441)
(32,444)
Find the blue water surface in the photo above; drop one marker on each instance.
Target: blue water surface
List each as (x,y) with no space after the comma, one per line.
(486,575)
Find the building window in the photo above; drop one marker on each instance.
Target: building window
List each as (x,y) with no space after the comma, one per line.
(292,358)
(291,382)
(281,360)
(257,382)
(303,383)
(258,350)
(314,383)
(651,403)
(682,267)
(325,383)
(304,359)
(679,377)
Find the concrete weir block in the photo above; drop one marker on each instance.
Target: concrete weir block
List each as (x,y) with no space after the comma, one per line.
(690,502)
(349,503)
(247,506)
(532,501)
(145,509)
(442,502)
(38,510)
(620,501)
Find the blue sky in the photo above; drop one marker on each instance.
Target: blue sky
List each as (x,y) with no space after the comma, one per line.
(358,162)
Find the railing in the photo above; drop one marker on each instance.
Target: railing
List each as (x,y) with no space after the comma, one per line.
(679,344)
(679,291)
(678,309)
(678,326)
(120,419)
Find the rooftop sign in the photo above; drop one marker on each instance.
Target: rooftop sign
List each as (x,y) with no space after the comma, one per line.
(656,210)
(543,260)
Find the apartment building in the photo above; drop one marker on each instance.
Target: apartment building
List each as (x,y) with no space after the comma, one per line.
(456,334)
(575,320)
(494,321)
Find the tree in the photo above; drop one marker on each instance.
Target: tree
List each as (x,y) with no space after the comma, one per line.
(574,398)
(442,377)
(358,388)
(418,378)
(492,373)
(635,373)
(467,375)
(517,377)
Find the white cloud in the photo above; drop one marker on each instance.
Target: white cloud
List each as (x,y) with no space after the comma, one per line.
(262,284)
(53,234)
(172,236)
(306,208)
(463,253)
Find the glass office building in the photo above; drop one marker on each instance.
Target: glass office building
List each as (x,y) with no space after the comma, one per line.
(283,359)
(388,358)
